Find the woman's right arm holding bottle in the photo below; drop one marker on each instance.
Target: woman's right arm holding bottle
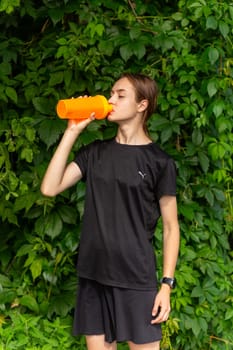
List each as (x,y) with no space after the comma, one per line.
(59,175)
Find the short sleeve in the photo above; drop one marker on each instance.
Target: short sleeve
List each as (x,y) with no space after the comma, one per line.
(81,159)
(166,185)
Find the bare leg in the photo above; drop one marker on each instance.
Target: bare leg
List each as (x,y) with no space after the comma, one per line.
(97,342)
(148,346)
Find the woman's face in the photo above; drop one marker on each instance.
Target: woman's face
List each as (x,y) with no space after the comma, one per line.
(125,107)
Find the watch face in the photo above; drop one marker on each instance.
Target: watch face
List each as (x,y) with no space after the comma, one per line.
(173,283)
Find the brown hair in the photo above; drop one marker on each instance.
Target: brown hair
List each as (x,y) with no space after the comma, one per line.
(145,89)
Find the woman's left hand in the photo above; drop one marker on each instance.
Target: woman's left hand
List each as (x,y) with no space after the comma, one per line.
(162,307)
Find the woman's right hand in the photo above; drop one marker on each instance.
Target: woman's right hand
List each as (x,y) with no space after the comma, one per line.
(77,125)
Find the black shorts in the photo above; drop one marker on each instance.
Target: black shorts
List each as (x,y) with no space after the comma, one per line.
(120,314)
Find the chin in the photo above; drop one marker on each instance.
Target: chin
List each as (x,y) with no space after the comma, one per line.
(111,118)
(115,118)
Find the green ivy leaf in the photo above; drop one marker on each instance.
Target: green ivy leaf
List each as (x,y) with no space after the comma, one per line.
(177,16)
(9,6)
(187,211)
(224,29)
(231,11)
(213,55)
(218,108)
(5,68)
(159,123)
(68,214)
(7,296)
(41,104)
(27,154)
(25,201)
(126,52)
(99,28)
(53,225)
(217,150)
(197,292)
(209,197)
(30,134)
(7,212)
(223,124)
(30,302)
(71,241)
(36,268)
(24,250)
(203,324)
(197,137)
(56,14)
(4,281)
(68,74)
(229,314)
(56,78)
(50,130)
(166,134)
(62,41)
(139,50)
(212,88)
(134,33)
(61,304)
(211,23)
(106,47)
(50,277)
(204,161)
(12,94)
(220,196)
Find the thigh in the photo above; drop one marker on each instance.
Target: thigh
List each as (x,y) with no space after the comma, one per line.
(97,342)
(148,346)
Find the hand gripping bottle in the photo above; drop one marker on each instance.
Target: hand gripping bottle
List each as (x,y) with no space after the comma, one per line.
(80,108)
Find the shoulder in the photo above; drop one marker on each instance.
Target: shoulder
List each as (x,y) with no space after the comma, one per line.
(159,156)
(161,161)
(95,144)
(93,148)
(158,152)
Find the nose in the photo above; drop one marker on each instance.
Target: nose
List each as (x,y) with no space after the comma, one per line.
(111,99)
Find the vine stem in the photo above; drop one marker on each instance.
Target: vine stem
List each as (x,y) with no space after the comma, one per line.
(227,342)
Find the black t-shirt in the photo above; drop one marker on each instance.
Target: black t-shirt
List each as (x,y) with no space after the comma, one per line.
(123,186)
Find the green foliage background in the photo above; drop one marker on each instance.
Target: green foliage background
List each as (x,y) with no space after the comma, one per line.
(54,49)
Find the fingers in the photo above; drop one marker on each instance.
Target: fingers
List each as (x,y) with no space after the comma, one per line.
(80,123)
(81,96)
(160,314)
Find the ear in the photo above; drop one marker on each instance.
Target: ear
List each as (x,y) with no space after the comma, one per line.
(142,105)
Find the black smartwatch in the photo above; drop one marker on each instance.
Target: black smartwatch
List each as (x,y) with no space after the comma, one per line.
(170,281)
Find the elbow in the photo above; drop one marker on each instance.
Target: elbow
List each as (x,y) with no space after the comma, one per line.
(48,192)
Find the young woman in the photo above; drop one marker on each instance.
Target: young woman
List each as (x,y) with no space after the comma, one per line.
(130,182)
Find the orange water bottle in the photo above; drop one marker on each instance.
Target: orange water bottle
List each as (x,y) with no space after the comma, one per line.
(80,108)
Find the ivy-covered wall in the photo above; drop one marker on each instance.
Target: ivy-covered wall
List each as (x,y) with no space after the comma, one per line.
(54,49)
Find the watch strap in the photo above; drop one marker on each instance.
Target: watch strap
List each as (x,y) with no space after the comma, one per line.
(170,281)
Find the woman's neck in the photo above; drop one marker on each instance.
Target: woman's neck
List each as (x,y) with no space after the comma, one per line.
(132,137)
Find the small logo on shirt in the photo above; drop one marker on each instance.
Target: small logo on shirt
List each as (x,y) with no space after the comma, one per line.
(141,174)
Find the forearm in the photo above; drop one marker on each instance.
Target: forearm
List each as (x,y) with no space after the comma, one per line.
(171,234)
(170,253)
(54,176)
(171,239)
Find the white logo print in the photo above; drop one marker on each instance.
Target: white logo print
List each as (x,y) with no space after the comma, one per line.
(142,175)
